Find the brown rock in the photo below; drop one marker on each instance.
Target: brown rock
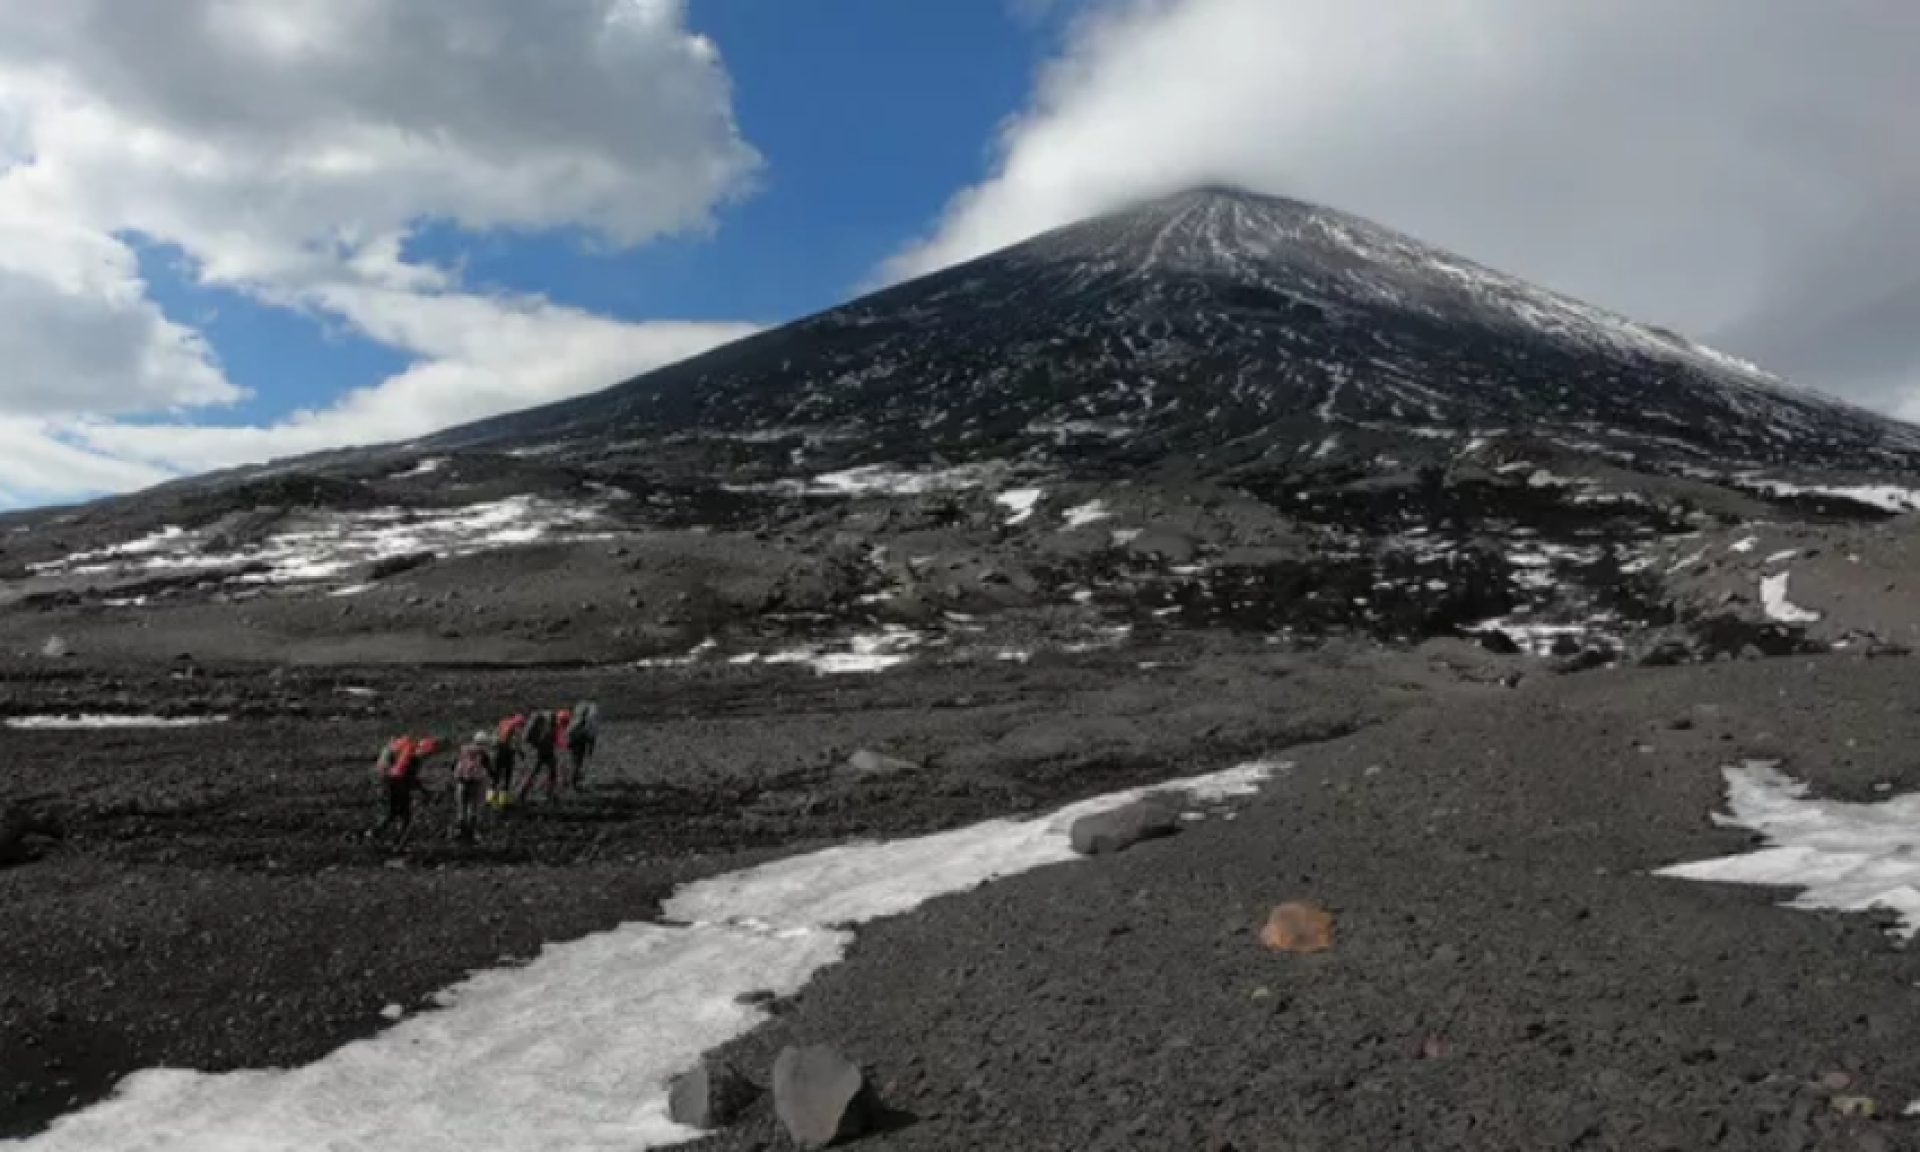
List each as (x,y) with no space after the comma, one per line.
(1298,926)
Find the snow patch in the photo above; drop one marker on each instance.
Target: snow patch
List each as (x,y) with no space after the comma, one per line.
(425,467)
(1773,596)
(1849,857)
(882,480)
(1021,502)
(1886,497)
(329,544)
(577,1049)
(1081,515)
(875,652)
(109,720)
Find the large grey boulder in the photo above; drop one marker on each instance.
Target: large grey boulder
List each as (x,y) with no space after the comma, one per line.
(711,1096)
(1104,833)
(820,1096)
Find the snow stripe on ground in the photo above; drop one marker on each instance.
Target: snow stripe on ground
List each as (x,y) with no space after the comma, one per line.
(577,1049)
(111,721)
(1850,857)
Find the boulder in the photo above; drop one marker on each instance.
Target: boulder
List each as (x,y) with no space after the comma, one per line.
(56,648)
(868,764)
(1104,833)
(1167,544)
(394,565)
(820,1096)
(1298,926)
(711,1096)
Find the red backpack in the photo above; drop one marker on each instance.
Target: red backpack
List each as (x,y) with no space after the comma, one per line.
(399,758)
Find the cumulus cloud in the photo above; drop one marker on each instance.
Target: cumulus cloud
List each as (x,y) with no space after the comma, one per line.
(288,149)
(1737,169)
(480,357)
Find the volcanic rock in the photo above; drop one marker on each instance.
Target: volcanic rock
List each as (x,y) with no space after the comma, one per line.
(711,1096)
(395,565)
(1298,926)
(820,1096)
(1104,833)
(868,764)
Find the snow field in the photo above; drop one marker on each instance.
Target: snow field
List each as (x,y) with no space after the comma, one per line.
(577,1049)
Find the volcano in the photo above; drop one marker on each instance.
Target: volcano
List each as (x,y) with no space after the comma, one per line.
(1213,410)
(1219,324)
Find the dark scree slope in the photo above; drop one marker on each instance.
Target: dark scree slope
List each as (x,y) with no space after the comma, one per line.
(1218,322)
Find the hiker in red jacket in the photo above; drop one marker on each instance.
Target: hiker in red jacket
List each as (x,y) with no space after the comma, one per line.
(401,770)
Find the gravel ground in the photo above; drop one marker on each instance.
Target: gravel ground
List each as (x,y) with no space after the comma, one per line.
(215,907)
(1507,974)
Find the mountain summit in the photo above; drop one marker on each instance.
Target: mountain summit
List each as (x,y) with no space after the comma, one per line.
(1217,321)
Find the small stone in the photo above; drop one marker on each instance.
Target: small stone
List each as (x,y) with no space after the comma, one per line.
(1298,926)
(1836,1081)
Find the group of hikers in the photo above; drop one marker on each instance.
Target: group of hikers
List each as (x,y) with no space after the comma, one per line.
(484,765)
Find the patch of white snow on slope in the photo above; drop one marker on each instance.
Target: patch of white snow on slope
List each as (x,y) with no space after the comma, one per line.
(1886,497)
(577,1049)
(426,467)
(1850,857)
(881,480)
(1773,596)
(1081,515)
(109,720)
(329,544)
(874,652)
(1021,502)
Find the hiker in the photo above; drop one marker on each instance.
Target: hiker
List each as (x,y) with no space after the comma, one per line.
(583,731)
(506,753)
(542,739)
(471,772)
(400,769)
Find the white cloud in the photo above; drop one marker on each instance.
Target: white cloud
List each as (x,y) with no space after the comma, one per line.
(1731,168)
(480,357)
(288,148)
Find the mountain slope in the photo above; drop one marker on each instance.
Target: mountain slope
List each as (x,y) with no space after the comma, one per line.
(1212,412)
(1218,317)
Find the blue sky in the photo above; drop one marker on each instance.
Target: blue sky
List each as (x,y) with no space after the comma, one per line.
(849,179)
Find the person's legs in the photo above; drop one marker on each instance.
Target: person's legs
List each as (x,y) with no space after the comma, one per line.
(400,807)
(577,750)
(467,808)
(506,759)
